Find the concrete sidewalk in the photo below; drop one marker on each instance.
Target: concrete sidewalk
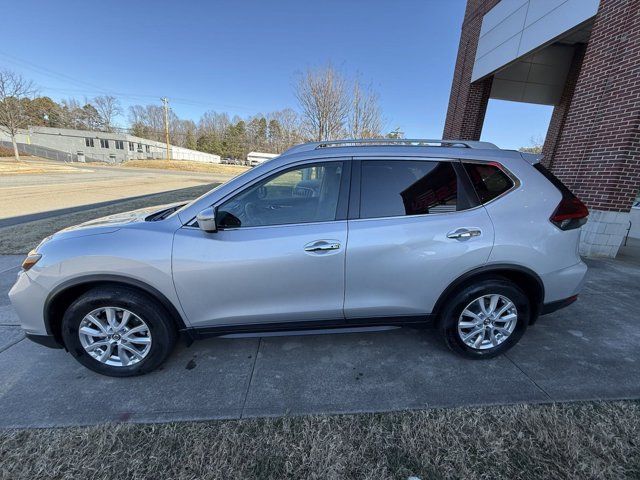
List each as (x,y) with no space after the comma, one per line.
(587,351)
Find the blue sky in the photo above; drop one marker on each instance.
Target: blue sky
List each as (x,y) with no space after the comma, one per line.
(243,56)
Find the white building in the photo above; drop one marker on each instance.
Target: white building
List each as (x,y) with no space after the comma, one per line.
(256,158)
(103,146)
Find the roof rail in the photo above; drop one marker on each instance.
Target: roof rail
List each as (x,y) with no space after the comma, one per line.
(392,142)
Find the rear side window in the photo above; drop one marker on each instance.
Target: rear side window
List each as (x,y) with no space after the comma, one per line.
(398,188)
(554,180)
(488,180)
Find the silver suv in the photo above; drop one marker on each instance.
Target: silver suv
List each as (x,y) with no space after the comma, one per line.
(343,234)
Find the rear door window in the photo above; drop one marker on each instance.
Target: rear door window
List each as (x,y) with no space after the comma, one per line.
(391,188)
(488,180)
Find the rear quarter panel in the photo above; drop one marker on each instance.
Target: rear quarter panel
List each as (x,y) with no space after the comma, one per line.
(523,233)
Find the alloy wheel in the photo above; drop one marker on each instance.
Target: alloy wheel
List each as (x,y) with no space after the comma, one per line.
(115,336)
(487,321)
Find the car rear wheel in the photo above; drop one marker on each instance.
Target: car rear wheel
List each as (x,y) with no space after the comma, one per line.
(486,318)
(118,331)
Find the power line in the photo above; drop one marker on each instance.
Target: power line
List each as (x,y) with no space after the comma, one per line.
(47,71)
(98,89)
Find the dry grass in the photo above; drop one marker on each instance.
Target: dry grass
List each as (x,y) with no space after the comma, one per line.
(570,441)
(19,239)
(31,165)
(187,166)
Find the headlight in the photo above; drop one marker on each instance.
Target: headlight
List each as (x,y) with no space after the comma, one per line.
(31,260)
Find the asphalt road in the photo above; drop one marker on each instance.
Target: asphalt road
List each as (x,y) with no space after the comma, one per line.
(27,194)
(584,352)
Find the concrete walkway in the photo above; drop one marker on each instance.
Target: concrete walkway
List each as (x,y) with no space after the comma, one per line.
(587,351)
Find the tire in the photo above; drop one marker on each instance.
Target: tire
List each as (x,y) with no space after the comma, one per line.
(467,299)
(145,315)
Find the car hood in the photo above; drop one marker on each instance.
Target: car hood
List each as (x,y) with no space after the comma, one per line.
(112,223)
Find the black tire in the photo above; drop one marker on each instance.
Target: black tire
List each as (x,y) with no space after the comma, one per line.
(448,324)
(161,327)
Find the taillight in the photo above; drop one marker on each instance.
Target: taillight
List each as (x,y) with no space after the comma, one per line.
(571,213)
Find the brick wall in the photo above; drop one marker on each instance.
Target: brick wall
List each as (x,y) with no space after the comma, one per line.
(468,101)
(597,153)
(561,110)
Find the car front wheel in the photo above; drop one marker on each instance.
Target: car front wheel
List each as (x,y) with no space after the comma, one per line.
(486,318)
(118,332)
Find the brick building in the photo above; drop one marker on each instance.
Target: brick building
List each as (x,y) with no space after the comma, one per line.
(582,57)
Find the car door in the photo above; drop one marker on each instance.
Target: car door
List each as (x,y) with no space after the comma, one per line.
(278,254)
(414,227)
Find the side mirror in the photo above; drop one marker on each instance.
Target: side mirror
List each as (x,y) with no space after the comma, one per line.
(207,220)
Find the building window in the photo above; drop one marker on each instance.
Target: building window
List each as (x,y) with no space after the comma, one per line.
(140,147)
(132,146)
(104,143)
(88,142)
(147,148)
(119,144)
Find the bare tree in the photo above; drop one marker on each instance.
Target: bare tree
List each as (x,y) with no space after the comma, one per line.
(214,123)
(290,129)
(536,144)
(365,120)
(147,121)
(14,115)
(109,108)
(324,103)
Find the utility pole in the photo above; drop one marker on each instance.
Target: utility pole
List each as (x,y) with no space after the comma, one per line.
(165,102)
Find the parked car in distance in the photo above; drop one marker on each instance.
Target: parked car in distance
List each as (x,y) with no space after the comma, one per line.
(343,234)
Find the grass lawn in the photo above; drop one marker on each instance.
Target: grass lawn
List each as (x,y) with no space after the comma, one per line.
(32,165)
(187,166)
(561,441)
(19,239)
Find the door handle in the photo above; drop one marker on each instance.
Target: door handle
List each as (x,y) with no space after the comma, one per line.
(464,233)
(321,246)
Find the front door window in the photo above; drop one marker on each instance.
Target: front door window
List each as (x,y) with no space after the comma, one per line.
(302,195)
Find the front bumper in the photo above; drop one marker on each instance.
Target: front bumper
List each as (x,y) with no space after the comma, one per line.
(28,298)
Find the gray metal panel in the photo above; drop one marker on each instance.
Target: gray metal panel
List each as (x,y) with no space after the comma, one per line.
(496,58)
(498,13)
(506,29)
(540,8)
(560,20)
(507,33)
(535,78)
(507,90)
(542,94)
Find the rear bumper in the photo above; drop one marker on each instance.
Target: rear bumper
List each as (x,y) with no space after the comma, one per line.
(557,305)
(563,284)
(46,340)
